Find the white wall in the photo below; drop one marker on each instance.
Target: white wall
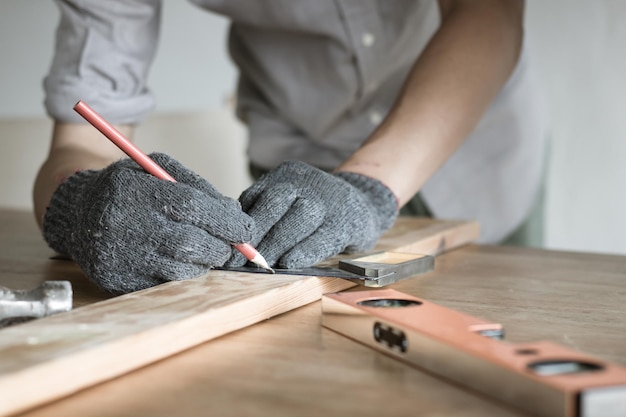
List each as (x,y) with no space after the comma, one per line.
(580,48)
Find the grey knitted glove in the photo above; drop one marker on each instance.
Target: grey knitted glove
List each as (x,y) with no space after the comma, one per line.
(129,230)
(304,215)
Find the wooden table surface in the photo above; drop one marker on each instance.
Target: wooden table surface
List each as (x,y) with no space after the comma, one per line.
(290,365)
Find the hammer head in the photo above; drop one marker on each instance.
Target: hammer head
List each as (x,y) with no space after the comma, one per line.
(49,298)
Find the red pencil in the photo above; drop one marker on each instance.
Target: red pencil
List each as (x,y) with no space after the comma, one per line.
(153,168)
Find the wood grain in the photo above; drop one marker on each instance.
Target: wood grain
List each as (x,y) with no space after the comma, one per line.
(287,366)
(291,366)
(427,236)
(109,337)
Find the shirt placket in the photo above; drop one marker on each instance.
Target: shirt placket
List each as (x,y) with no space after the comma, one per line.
(363,27)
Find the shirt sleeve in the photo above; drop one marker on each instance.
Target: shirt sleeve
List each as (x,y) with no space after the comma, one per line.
(103,52)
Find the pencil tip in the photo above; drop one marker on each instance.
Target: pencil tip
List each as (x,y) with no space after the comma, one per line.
(260,261)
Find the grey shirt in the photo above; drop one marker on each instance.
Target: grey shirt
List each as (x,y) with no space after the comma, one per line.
(315,79)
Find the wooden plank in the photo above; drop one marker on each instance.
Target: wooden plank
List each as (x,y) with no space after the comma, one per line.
(56,356)
(427,236)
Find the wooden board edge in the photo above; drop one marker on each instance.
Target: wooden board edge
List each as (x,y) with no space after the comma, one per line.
(66,375)
(434,239)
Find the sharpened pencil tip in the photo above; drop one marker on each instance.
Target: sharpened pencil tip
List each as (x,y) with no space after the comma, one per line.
(263,264)
(254,256)
(260,261)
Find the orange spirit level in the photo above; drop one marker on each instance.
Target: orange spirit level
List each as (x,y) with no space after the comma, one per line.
(541,377)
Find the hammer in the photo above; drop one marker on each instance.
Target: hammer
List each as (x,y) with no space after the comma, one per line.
(49,298)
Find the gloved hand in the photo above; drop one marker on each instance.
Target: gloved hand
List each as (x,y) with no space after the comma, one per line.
(129,230)
(304,215)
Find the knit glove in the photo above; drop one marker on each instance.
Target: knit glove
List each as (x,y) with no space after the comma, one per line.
(304,215)
(129,230)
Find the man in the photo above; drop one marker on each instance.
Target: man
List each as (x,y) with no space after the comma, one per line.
(355,109)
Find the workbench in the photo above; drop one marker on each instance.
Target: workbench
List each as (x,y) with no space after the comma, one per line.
(290,365)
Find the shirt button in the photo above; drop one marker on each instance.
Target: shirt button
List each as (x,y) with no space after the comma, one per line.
(375,118)
(372,86)
(368,39)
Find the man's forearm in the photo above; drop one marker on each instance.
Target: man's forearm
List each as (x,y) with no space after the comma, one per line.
(74,147)
(450,86)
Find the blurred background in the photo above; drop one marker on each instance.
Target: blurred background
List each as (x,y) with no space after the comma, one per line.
(579,47)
